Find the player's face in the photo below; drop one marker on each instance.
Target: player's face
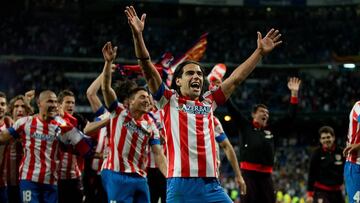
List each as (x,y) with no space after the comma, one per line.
(191,81)
(19,109)
(2,107)
(48,106)
(327,140)
(68,104)
(261,116)
(141,101)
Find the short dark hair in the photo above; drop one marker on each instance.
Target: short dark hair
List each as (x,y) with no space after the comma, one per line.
(257,106)
(65,93)
(29,110)
(2,94)
(326,129)
(123,89)
(180,70)
(135,90)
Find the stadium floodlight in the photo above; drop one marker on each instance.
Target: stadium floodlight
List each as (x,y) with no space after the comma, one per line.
(227,118)
(349,65)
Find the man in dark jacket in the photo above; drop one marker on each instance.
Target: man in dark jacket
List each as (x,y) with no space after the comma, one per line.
(326,178)
(257,147)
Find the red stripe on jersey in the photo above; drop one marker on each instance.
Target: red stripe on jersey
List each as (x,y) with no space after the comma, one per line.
(200,140)
(42,153)
(53,164)
(33,128)
(132,151)
(69,164)
(143,155)
(169,141)
(184,140)
(212,137)
(354,134)
(121,148)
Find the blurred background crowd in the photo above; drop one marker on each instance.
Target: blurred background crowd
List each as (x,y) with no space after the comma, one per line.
(57,45)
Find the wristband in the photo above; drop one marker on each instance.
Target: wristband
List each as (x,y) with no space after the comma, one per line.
(143,58)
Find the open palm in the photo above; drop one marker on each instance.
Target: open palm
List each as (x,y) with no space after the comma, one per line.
(136,24)
(269,42)
(294,84)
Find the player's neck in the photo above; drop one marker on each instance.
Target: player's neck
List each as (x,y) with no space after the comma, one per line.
(136,114)
(44,117)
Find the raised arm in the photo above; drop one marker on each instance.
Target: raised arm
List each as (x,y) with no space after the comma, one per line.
(152,76)
(264,46)
(91,94)
(109,54)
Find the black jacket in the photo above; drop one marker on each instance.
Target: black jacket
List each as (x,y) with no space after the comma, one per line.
(257,144)
(326,168)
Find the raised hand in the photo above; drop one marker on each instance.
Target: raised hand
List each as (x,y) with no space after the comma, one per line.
(109,52)
(136,24)
(294,84)
(29,95)
(269,42)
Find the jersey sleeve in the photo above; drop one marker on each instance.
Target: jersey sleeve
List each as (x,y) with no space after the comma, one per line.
(219,131)
(216,96)
(162,96)
(155,135)
(18,128)
(116,108)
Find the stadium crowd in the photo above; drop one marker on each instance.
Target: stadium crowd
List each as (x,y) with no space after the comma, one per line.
(78,35)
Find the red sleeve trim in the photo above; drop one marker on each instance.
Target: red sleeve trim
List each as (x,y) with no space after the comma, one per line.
(219,96)
(294,100)
(310,193)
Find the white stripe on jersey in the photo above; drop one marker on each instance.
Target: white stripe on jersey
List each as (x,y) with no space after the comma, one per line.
(353,133)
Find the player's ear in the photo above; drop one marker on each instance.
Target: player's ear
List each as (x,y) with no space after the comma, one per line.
(178,82)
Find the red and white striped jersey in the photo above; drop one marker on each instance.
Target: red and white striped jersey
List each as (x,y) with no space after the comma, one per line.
(190,136)
(354,133)
(14,154)
(69,168)
(102,145)
(3,149)
(40,140)
(158,116)
(129,141)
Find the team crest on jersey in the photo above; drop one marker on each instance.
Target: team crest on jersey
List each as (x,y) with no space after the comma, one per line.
(338,159)
(203,110)
(268,134)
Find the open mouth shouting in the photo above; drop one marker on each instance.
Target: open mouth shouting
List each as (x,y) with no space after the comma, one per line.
(195,86)
(52,111)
